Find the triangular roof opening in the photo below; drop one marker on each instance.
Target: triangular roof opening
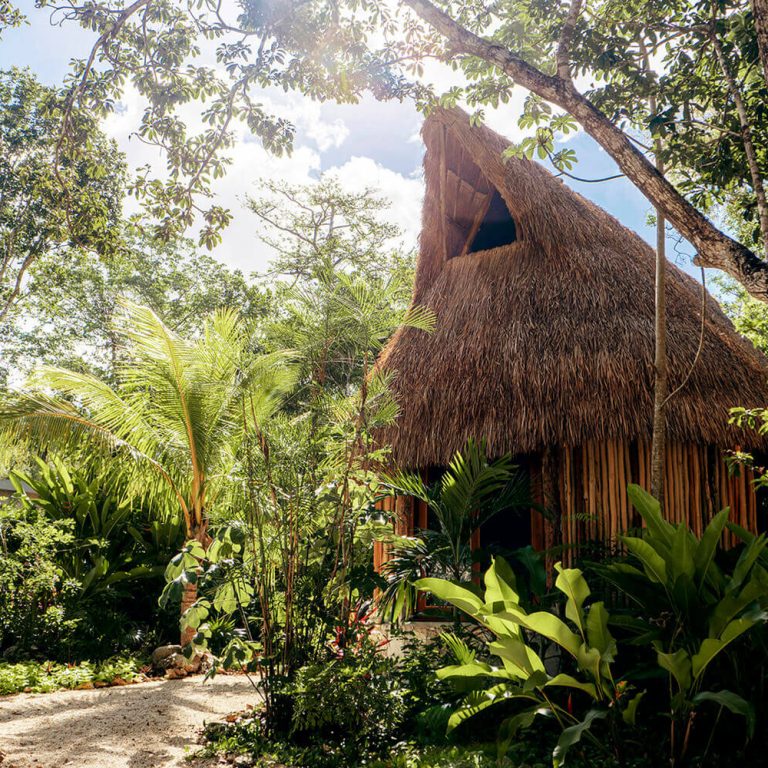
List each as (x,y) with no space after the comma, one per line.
(497,227)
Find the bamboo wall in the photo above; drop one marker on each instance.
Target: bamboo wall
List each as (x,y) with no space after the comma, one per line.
(584,489)
(593,503)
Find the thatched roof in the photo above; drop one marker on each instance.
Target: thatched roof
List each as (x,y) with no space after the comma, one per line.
(548,340)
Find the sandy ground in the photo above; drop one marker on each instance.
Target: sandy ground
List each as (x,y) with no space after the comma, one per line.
(150,725)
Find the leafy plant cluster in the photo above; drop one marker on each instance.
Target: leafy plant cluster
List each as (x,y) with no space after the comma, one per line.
(76,566)
(688,613)
(43,677)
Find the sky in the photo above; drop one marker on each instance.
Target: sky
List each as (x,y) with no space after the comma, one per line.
(369,144)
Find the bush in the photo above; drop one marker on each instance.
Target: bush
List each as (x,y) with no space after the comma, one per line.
(43,677)
(79,570)
(353,702)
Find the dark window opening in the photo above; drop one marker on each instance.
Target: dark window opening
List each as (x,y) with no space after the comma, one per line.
(498,227)
(503,533)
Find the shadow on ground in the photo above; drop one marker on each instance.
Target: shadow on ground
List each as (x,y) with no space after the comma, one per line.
(151,725)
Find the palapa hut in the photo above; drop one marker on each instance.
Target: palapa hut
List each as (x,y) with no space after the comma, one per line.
(544,346)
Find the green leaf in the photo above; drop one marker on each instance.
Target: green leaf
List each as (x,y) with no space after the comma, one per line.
(573,585)
(733,703)
(629,713)
(567,681)
(477,701)
(451,593)
(500,582)
(523,659)
(653,564)
(683,544)
(729,608)
(598,634)
(711,647)
(650,511)
(678,664)
(472,669)
(705,552)
(548,625)
(572,735)
(509,728)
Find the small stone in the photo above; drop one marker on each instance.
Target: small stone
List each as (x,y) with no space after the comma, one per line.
(166,656)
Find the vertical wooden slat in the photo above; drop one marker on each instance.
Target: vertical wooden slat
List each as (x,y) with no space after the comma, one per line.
(594,491)
(568,517)
(627,479)
(696,483)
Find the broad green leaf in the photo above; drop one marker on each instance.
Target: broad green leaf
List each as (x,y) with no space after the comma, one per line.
(629,713)
(650,511)
(711,647)
(472,669)
(517,653)
(653,563)
(548,625)
(678,664)
(733,703)
(598,634)
(746,561)
(683,545)
(452,593)
(705,552)
(477,701)
(573,585)
(729,608)
(509,728)
(500,583)
(572,735)
(567,681)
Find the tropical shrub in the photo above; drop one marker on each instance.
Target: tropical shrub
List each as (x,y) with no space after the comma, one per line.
(691,611)
(32,596)
(524,677)
(471,491)
(354,703)
(79,566)
(46,676)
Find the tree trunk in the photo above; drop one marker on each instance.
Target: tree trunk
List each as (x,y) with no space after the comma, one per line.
(715,249)
(188,599)
(660,366)
(760,15)
(189,596)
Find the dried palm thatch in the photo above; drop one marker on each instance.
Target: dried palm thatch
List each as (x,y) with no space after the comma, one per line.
(547,341)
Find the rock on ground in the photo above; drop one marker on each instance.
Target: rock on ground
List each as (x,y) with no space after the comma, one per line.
(151,725)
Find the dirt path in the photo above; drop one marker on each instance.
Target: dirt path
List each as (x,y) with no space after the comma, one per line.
(151,725)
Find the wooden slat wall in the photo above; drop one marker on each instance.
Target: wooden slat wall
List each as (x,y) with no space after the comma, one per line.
(594,502)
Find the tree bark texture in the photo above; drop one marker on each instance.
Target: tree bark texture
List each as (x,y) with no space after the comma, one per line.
(715,249)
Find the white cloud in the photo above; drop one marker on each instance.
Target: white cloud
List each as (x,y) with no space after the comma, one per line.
(404,193)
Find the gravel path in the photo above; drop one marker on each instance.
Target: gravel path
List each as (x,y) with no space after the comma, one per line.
(150,725)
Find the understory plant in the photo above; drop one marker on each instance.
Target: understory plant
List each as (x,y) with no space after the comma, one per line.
(581,643)
(79,564)
(46,676)
(690,610)
(472,490)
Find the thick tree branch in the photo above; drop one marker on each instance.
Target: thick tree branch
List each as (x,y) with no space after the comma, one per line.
(715,249)
(760,15)
(746,139)
(563,56)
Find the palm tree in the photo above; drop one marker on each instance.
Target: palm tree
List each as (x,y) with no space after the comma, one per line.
(471,491)
(176,418)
